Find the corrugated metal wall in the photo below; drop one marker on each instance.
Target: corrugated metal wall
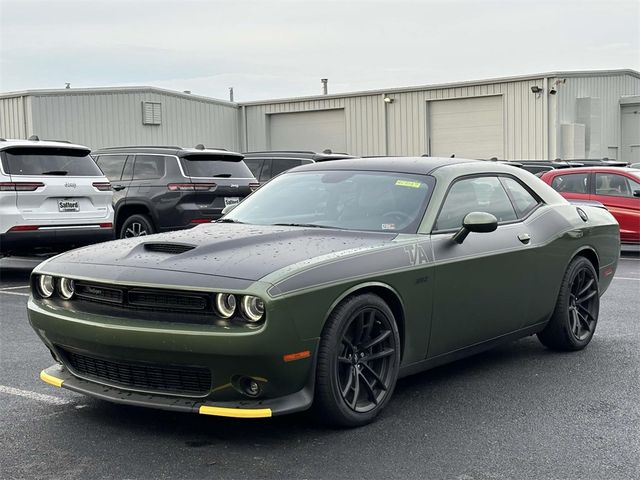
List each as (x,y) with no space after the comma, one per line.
(15,117)
(115,118)
(405,131)
(607,88)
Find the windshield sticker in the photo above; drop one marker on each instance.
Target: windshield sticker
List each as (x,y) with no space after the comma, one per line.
(407,183)
(388,226)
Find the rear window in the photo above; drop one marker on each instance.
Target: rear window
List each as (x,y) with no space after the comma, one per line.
(49,161)
(214,166)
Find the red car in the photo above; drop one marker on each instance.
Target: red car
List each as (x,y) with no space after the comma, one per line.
(616,188)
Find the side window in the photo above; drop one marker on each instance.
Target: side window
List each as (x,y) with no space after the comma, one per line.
(614,185)
(127,172)
(265,174)
(523,200)
(148,167)
(477,194)
(255,165)
(571,183)
(280,165)
(112,166)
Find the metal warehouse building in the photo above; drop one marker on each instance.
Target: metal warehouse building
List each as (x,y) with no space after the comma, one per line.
(591,114)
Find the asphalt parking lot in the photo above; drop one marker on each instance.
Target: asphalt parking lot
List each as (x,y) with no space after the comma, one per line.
(518,411)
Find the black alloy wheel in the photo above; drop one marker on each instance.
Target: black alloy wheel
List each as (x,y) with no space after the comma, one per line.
(136,226)
(575,317)
(358,361)
(365,362)
(583,304)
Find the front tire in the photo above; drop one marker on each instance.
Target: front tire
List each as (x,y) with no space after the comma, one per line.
(575,317)
(136,225)
(358,361)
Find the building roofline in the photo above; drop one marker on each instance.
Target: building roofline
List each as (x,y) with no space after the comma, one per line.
(436,86)
(361,93)
(107,90)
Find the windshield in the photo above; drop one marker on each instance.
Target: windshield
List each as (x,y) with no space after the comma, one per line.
(50,161)
(352,200)
(214,166)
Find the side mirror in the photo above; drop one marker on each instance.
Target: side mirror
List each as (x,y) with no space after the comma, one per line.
(228,208)
(478,222)
(636,193)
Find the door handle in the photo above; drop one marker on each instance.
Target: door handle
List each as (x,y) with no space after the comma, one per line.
(117,188)
(524,238)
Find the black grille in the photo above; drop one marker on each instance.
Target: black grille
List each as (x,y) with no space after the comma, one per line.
(167,300)
(192,381)
(99,293)
(173,248)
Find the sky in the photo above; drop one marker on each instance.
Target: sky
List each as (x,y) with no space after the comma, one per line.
(282,48)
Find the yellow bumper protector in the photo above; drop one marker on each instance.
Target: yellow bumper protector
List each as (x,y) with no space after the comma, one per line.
(51,380)
(235,412)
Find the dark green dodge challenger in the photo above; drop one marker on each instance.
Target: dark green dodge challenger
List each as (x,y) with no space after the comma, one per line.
(324,287)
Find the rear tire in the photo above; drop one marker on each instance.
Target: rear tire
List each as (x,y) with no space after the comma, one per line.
(575,317)
(358,362)
(136,226)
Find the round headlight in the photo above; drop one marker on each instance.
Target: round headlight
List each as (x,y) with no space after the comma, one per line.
(66,288)
(225,304)
(45,286)
(252,308)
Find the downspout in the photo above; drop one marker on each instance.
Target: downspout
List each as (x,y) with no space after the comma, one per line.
(545,120)
(24,116)
(385,138)
(246,133)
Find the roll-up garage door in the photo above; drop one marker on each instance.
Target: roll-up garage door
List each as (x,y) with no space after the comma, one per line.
(466,127)
(316,131)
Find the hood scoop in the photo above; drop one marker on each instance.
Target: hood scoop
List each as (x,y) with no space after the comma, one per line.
(172,248)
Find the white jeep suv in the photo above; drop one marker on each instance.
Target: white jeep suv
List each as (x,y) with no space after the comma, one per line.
(52,196)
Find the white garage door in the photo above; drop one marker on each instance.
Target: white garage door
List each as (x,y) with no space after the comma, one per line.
(466,127)
(315,131)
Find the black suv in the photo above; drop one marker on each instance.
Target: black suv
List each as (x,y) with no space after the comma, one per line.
(266,165)
(157,189)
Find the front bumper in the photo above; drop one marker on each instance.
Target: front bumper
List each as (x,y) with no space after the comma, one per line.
(58,376)
(228,354)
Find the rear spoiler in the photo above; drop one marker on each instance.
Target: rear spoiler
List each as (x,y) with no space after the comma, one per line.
(586,203)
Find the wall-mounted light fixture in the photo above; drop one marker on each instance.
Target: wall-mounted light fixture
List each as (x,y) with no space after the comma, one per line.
(536,89)
(387,99)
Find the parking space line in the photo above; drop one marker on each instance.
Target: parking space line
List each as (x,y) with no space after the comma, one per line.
(626,278)
(20,294)
(14,288)
(41,397)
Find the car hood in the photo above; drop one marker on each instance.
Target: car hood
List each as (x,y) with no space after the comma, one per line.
(245,252)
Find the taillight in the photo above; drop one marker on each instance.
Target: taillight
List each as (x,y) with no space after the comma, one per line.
(191,187)
(102,186)
(24,228)
(254,186)
(20,186)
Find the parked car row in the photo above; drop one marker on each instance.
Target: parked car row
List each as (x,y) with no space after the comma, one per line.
(54,195)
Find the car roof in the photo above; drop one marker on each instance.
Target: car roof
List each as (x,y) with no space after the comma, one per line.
(298,154)
(416,165)
(18,143)
(170,150)
(600,169)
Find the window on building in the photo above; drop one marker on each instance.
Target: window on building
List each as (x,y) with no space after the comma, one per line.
(151,113)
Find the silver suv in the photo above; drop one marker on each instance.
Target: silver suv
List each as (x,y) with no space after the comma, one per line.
(52,196)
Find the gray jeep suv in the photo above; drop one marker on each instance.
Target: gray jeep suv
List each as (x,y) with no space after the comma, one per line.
(162,188)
